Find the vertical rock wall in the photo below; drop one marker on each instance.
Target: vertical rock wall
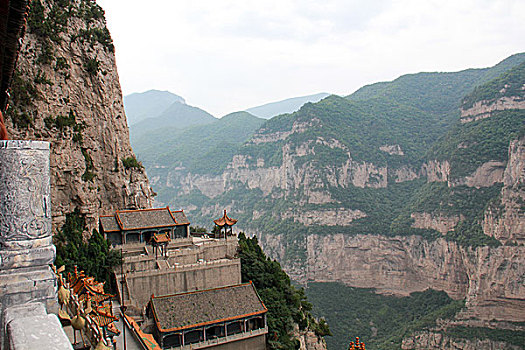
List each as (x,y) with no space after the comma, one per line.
(66,91)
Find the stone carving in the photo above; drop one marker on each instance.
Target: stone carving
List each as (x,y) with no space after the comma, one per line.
(26,247)
(25,208)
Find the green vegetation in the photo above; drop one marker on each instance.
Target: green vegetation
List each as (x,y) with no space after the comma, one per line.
(90,11)
(22,95)
(503,335)
(175,117)
(89,173)
(131,163)
(380,122)
(286,304)
(92,66)
(61,64)
(67,124)
(40,78)
(23,92)
(460,201)
(380,321)
(198,229)
(94,256)
(49,25)
(47,54)
(417,112)
(203,149)
(22,120)
(468,146)
(438,93)
(97,35)
(506,85)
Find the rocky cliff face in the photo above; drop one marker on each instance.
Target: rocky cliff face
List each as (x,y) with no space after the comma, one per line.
(490,279)
(505,221)
(309,340)
(430,340)
(484,109)
(67,91)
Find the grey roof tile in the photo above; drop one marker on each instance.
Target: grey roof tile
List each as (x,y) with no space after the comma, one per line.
(210,306)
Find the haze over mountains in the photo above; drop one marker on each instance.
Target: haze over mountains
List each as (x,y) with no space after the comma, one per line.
(149,104)
(166,109)
(402,186)
(155,115)
(290,105)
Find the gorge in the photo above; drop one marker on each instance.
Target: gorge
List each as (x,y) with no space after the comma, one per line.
(400,187)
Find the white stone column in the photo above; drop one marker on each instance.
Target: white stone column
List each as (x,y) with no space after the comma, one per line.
(26,247)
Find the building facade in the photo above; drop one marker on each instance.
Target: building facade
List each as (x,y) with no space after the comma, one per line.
(227,317)
(139,226)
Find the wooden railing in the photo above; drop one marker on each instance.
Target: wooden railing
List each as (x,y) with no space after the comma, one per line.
(221,340)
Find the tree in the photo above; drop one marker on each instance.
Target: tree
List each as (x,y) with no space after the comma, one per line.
(95,256)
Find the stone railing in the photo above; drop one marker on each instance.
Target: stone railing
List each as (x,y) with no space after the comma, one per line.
(27,283)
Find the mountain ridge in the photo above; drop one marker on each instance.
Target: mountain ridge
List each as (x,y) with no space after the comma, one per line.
(290,105)
(148,104)
(346,190)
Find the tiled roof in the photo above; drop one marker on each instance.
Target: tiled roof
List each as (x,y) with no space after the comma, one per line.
(145,218)
(146,339)
(109,223)
(225,220)
(188,310)
(180,217)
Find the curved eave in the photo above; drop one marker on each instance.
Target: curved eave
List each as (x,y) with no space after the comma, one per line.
(207,323)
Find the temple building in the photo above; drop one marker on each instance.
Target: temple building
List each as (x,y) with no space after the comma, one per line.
(140,226)
(232,317)
(183,291)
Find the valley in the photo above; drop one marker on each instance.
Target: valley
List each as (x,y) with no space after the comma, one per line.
(401,187)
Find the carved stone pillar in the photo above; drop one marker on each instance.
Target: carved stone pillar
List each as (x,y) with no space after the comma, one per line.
(26,247)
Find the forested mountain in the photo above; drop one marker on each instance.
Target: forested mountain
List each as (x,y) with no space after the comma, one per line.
(402,186)
(148,104)
(176,116)
(289,105)
(203,149)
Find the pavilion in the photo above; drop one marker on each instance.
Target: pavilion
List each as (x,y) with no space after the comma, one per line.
(224,226)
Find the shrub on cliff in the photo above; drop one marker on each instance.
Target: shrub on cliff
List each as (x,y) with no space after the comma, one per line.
(131,162)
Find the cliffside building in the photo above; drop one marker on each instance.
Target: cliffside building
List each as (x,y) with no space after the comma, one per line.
(232,315)
(140,226)
(184,291)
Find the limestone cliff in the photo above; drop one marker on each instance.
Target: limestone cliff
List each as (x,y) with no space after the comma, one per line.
(66,90)
(455,335)
(490,279)
(430,340)
(378,191)
(308,340)
(505,220)
(485,109)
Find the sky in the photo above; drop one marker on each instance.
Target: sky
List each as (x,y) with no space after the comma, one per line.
(230,55)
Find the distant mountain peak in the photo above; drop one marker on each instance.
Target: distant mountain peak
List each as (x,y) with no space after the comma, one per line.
(290,105)
(148,104)
(158,93)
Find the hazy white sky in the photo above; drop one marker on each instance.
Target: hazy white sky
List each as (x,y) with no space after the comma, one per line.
(229,55)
